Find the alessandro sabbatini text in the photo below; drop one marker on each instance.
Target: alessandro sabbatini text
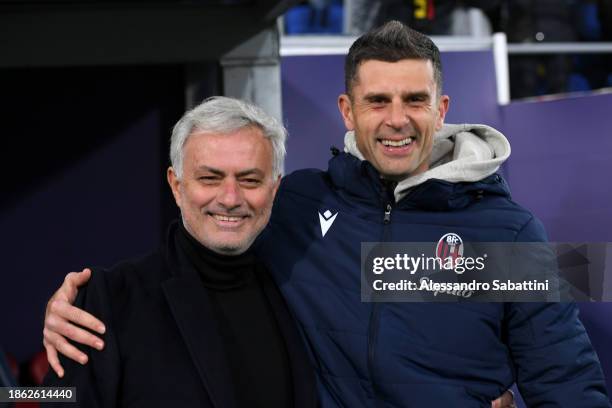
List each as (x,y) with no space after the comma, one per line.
(463,289)
(451,270)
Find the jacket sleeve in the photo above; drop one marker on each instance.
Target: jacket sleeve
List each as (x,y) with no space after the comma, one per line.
(554,360)
(97,382)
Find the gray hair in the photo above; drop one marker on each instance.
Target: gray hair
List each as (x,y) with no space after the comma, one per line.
(220,114)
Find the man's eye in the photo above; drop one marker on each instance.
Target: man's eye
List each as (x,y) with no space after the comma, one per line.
(251,182)
(378,101)
(208,179)
(417,99)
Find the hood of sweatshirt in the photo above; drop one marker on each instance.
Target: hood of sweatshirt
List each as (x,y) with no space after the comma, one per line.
(460,153)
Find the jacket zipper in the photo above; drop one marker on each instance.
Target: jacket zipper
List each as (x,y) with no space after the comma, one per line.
(387,217)
(374,316)
(372,338)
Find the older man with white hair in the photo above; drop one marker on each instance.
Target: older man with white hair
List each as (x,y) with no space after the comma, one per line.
(199,323)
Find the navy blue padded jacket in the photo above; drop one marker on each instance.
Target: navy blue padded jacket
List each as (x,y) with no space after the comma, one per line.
(418,354)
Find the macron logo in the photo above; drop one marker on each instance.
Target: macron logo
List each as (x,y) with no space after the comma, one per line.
(326,219)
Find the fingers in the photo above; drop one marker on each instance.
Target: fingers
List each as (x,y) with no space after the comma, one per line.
(72,281)
(60,307)
(62,345)
(67,329)
(79,278)
(53,359)
(505,401)
(62,317)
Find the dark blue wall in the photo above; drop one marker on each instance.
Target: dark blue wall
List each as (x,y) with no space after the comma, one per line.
(560,168)
(561,163)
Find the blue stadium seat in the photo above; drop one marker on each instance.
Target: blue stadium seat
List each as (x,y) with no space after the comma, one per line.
(578,83)
(305,19)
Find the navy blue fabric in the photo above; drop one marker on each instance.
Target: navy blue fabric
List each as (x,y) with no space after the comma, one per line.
(418,354)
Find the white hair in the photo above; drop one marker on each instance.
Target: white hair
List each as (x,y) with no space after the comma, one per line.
(220,114)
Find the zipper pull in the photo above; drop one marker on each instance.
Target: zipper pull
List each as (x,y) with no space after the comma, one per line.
(387,218)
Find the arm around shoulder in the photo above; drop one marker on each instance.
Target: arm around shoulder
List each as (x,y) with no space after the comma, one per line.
(97,381)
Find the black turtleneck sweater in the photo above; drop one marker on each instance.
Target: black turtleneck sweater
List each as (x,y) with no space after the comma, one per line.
(255,349)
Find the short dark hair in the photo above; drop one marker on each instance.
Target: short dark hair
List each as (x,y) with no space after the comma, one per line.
(391,42)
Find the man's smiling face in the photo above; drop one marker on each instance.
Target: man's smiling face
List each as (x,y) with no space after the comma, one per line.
(227,188)
(395,110)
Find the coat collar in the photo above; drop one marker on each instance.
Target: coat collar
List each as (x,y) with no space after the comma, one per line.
(304,387)
(191,308)
(192,311)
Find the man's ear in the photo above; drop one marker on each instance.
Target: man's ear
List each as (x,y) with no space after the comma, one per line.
(276,186)
(346,110)
(174,183)
(443,104)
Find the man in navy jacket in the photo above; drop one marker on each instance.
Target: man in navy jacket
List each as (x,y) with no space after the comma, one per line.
(405,176)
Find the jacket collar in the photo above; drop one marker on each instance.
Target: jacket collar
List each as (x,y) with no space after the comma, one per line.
(362,182)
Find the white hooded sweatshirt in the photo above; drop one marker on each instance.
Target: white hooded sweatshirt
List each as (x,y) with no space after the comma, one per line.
(460,153)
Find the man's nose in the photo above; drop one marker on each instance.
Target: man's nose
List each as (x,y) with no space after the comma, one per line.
(398,116)
(230,194)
